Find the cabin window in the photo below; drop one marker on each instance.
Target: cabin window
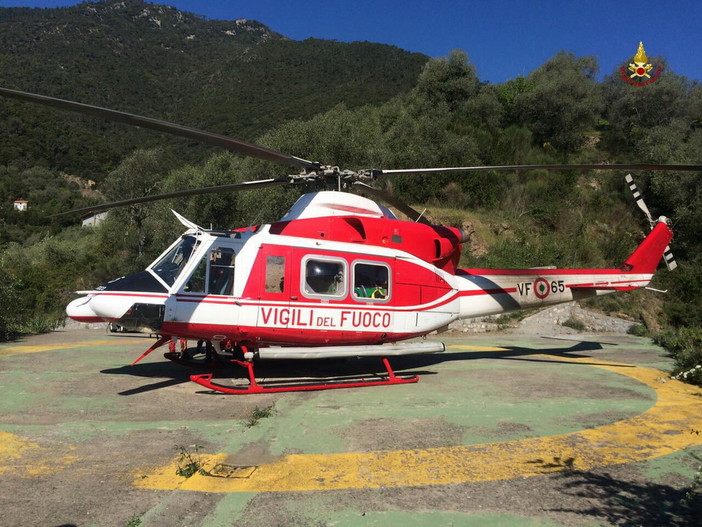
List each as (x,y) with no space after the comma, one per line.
(275,274)
(371,282)
(324,277)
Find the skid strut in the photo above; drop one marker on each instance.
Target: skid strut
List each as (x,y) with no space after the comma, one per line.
(210,358)
(254,387)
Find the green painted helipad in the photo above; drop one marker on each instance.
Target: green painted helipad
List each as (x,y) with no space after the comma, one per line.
(492,420)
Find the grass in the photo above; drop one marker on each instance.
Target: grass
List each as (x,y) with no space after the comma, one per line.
(259,413)
(508,320)
(189,463)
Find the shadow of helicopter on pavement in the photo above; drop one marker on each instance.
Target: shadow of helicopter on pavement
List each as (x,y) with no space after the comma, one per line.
(349,369)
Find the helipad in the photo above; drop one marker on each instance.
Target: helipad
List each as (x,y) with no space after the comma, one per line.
(492,421)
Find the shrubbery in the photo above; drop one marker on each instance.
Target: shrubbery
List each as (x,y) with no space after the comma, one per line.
(685,346)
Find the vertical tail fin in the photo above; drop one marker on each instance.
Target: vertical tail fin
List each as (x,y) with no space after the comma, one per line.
(644,260)
(668,254)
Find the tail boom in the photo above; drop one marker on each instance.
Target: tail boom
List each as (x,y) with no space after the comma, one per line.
(491,291)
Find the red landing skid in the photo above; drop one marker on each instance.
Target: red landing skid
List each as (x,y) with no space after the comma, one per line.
(253,387)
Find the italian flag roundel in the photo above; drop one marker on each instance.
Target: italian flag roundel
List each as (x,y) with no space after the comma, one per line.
(541,288)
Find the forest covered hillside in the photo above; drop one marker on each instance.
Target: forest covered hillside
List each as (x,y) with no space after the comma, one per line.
(357,106)
(231,77)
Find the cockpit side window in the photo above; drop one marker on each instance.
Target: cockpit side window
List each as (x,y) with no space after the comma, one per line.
(169,267)
(221,277)
(197,281)
(214,274)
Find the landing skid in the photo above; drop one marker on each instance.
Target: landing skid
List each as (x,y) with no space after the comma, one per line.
(254,387)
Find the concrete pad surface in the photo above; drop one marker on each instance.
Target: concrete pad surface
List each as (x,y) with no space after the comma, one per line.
(501,429)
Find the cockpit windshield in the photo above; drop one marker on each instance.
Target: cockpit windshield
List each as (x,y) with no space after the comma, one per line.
(169,267)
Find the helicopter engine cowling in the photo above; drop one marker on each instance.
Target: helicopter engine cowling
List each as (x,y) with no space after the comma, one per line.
(449,243)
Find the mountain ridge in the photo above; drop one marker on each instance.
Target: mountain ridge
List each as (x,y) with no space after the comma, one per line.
(232,77)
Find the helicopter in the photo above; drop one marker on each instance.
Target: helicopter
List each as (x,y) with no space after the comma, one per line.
(338,276)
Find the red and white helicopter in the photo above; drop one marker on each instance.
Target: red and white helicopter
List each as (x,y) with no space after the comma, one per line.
(337,276)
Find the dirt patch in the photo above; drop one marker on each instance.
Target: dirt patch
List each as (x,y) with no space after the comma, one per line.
(596,419)
(506,429)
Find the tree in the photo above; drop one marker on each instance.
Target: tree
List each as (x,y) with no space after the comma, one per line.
(449,80)
(9,294)
(633,111)
(137,175)
(508,92)
(564,101)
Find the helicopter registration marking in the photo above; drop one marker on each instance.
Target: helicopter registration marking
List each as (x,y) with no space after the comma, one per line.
(541,287)
(322,318)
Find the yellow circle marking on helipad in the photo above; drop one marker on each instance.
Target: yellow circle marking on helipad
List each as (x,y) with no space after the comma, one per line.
(18,350)
(26,458)
(664,428)
(21,455)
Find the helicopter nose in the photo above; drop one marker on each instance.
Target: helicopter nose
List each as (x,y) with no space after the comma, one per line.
(81,311)
(98,308)
(111,307)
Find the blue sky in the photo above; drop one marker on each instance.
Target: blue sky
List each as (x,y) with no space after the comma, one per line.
(503,38)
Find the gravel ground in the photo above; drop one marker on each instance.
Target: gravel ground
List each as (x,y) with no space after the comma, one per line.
(547,322)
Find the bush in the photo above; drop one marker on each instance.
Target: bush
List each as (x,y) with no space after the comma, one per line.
(685,346)
(638,330)
(574,323)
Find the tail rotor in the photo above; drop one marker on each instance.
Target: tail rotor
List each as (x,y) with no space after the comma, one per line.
(668,258)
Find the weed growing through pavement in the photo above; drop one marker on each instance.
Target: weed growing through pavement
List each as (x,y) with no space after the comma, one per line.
(259,413)
(189,463)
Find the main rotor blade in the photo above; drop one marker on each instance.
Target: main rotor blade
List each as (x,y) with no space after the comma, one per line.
(235,145)
(448,170)
(232,187)
(392,200)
